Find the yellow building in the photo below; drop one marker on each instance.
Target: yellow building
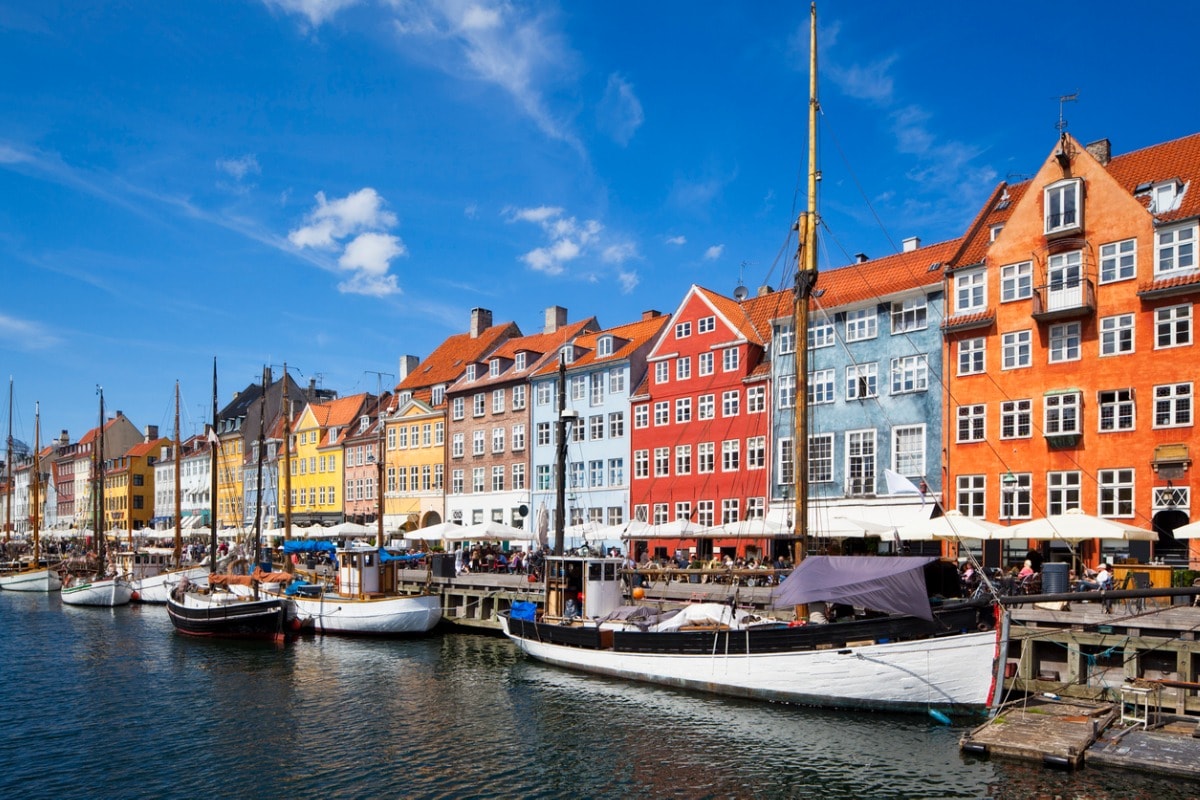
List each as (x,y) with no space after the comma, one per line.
(230,497)
(317,459)
(415,460)
(129,485)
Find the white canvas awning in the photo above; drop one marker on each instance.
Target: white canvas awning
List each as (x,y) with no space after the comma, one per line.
(864,519)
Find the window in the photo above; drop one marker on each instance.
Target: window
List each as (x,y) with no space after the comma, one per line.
(402,432)
(596,427)
(1116,335)
(518,477)
(1116,492)
(683,330)
(820,386)
(730,359)
(616,380)
(498,440)
(909,315)
(1016,350)
(543,476)
(970,495)
(544,437)
(457,408)
(785,463)
(456,481)
(566,355)
(706,324)
(497,400)
(683,409)
(970,356)
(862,381)
(518,397)
(662,413)
(730,510)
(470,372)
(604,346)
(616,424)
(662,462)
(1063,491)
(861,324)
(970,291)
(1173,326)
(1172,405)
(756,452)
(641,463)
(821,333)
(756,507)
(971,423)
(1116,410)
(494,368)
(994,231)
(478,475)
(578,431)
(545,392)
(479,402)
(731,455)
(518,437)
(785,390)
(616,472)
(1165,197)
(820,458)
(683,368)
(1061,417)
(1016,282)
(519,363)
(860,463)
(704,513)
(731,402)
(439,433)
(683,459)
(1016,419)
(1016,496)
(785,340)
(756,398)
(908,450)
(578,387)
(597,381)
(706,457)
(1064,342)
(457,445)
(477,446)
(910,374)
(1064,277)
(497,479)
(706,363)
(576,475)
(596,474)
(1118,261)
(641,416)
(437,394)
(661,372)
(1175,251)
(1063,206)
(706,406)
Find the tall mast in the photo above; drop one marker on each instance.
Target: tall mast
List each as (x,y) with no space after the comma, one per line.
(35,485)
(560,481)
(8,487)
(286,467)
(379,469)
(178,486)
(262,448)
(98,498)
(214,444)
(806,280)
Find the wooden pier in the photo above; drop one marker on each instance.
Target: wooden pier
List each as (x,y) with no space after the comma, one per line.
(1047,730)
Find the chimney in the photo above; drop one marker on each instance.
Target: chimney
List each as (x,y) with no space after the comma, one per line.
(407,365)
(862,258)
(481,320)
(1101,150)
(556,317)
(64,439)
(911,243)
(151,433)
(764,290)
(651,314)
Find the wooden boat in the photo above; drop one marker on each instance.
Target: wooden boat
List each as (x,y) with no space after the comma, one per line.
(905,656)
(37,576)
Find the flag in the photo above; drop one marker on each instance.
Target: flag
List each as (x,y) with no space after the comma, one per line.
(898,484)
(216,440)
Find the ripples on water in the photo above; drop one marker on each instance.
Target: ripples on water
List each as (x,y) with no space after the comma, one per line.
(112,703)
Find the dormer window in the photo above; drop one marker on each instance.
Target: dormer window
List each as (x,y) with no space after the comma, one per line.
(1165,197)
(405,397)
(470,372)
(567,355)
(363,423)
(494,368)
(604,347)
(994,231)
(1064,206)
(437,395)
(520,361)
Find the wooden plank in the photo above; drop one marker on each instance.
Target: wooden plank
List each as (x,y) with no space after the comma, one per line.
(1154,751)
(1041,730)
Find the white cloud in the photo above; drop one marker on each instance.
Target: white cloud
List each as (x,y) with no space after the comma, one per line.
(677,240)
(26,334)
(619,253)
(471,211)
(570,241)
(865,81)
(316,11)
(619,112)
(539,214)
(714,252)
(369,253)
(239,168)
(628,281)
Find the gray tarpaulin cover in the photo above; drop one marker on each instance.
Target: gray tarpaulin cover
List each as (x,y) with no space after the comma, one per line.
(885,583)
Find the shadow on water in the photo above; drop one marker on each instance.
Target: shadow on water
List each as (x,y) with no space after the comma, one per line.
(113,703)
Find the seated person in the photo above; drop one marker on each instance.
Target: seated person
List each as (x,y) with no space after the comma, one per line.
(1095,580)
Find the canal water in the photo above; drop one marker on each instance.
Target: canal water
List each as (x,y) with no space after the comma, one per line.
(113,704)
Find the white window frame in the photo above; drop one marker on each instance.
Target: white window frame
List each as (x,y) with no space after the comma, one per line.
(862,324)
(1016,419)
(1117,335)
(970,423)
(1116,410)
(1065,343)
(1175,250)
(1016,282)
(706,324)
(970,291)
(704,363)
(662,372)
(1173,326)
(972,356)
(910,374)
(1115,492)
(1064,206)
(731,359)
(1173,405)
(1118,261)
(862,381)
(910,314)
(1062,414)
(821,333)
(1016,349)
(908,450)
(821,386)
(861,469)
(820,457)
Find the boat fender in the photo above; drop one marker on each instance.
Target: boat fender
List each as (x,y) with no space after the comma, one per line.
(135,597)
(939,716)
(797,623)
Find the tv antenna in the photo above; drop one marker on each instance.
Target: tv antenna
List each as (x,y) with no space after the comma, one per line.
(1062,99)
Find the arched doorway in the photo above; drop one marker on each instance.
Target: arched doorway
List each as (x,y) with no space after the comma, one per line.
(1169,549)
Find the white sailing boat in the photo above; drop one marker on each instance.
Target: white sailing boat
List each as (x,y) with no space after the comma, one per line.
(910,657)
(103,589)
(37,577)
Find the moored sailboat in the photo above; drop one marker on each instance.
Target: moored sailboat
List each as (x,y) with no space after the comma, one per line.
(905,656)
(37,577)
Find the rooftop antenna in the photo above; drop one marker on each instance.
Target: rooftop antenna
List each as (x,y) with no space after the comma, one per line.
(741,292)
(1065,98)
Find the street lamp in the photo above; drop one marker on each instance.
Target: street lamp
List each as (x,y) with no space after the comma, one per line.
(1008,490)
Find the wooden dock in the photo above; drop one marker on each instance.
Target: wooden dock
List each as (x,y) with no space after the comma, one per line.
(1172,749)
(1046,730)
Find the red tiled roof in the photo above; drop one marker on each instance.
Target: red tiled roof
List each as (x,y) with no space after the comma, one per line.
(544,346)
(1179,158)
(881,277)
(629,338)
(996,211)
(449,359)
(148,448)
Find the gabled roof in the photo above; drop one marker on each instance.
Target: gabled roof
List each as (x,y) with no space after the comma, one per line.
(627,339)
(142,449)
(1158,163)
(996,211)
(544,345)
(728,310)
(880,277)
(449,359)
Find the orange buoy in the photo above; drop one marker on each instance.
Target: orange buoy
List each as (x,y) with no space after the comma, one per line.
(639,593)
(136,596)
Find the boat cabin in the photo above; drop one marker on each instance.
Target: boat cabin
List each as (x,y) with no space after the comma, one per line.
(588,586)
(361,571)
(145,563)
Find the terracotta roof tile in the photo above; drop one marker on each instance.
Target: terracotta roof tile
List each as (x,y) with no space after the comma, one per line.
(996,211)
(449,359)
(544,346)
(1179,158)
(630,337)
(884,276)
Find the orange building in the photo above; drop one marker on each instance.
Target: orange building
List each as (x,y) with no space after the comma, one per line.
(1069,336)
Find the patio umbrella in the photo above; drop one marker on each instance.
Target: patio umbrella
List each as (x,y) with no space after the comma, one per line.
(675,529)
(490,531)
(1075,526)
(1189,531)
(747,529)
(348,529)
(633,529)
(433,533)
(953,525)
(542,525)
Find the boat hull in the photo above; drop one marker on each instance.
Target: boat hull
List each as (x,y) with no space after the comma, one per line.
(229,617)
(380,616)
(951,674)
(32,580)
(106,594)
(157,588)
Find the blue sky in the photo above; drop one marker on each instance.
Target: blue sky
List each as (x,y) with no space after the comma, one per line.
(335,183)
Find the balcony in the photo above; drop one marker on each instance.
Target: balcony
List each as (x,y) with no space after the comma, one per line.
(1070,299)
